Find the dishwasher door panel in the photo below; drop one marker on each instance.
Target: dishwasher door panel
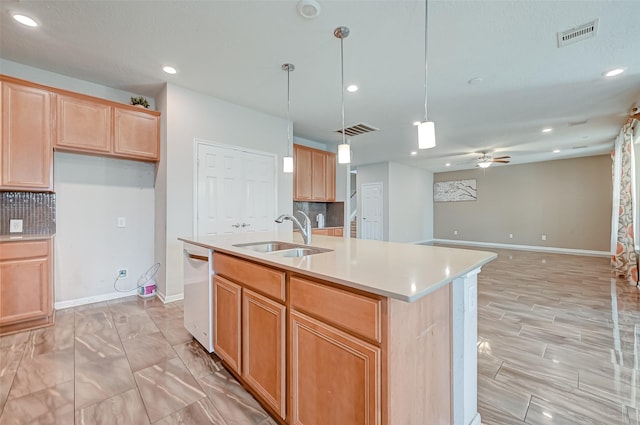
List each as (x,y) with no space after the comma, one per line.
(198,301)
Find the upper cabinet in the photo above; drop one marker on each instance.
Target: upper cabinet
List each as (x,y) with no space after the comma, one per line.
(25,148)
(314,176)
(35,119)
(136,133)
(89,125)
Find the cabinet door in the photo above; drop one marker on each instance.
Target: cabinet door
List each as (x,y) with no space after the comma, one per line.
(335,376)
(136,134)
(226,321)
(24,290)
(25,148)
(302,173)
(330,178)
(338,231)
(319,175)
(263,348)
(83,125)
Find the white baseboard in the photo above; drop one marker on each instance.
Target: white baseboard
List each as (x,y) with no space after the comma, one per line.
(60,305)
(524,247)
(169,299)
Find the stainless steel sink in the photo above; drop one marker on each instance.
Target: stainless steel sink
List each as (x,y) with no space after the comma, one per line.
(299,252)
(269,246)
(282,249)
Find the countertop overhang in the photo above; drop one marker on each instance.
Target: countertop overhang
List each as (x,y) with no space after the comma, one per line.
(403,271)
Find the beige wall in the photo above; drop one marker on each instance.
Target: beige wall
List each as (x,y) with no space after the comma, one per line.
(567,200)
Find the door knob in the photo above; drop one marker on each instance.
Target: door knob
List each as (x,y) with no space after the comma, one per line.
(245,225)
(236,225)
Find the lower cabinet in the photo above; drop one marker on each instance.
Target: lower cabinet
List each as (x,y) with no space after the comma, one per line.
(331,231)
(335,376)
(226,323)
(26,290)
(263,348)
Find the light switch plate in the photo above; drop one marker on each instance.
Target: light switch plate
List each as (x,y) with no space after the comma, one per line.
(15,226)
(122,222)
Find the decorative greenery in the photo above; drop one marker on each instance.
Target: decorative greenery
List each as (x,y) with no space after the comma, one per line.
(140,101)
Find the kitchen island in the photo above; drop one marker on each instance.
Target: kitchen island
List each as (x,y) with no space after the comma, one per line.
(364,332)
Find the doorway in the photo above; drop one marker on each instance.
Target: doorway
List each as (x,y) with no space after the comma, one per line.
(371,218)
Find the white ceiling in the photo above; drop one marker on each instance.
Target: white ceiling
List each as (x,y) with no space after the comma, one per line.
(234,50)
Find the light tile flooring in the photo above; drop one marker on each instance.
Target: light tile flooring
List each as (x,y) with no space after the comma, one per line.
(558,344)
(124,362)
(559,341)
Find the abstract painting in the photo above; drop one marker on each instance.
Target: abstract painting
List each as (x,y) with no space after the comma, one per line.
(455,190)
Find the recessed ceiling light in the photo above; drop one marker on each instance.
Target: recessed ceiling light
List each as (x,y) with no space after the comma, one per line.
(25,20)
(556,150)
(308,8)
(416,123)
(352,88)
(547,130)
(613,72)
(414,153)
(448,164)
(169,69)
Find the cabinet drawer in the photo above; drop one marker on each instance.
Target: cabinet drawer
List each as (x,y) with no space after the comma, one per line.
(21,250)
(259,278)
(356,313)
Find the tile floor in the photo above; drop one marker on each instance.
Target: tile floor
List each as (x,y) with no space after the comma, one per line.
(125,362)
(558,344)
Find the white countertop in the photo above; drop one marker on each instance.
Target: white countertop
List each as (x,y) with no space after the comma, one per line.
(19,237)
(402,271)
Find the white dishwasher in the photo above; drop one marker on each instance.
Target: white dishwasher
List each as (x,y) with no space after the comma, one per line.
(198,293)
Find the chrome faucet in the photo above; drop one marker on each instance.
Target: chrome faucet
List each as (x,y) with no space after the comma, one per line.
(306,230)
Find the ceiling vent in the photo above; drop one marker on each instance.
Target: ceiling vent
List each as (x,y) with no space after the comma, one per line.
(579,33)
(577,123)
(358,129)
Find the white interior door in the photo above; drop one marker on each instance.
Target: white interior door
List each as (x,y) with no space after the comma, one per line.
(371,219)
(236,190)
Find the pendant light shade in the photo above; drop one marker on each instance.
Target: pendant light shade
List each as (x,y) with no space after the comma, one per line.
(344,153)
(344,149)
(287,161)
(426,135)
(426,129)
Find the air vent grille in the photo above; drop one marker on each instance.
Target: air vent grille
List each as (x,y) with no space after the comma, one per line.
(356,130)
(582,32)
(577,123)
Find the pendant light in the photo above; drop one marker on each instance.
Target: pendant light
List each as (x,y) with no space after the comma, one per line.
(287,161)
(344,149)
(426,129)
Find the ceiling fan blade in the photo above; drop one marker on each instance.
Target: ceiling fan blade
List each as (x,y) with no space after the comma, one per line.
(503,157)
(501,161)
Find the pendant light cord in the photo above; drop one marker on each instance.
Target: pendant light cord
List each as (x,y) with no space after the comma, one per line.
(342,83)
(426,44)
(288,113)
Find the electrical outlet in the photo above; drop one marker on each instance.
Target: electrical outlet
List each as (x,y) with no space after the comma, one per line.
(510,235)
(544,237)
(122,222)
(15,226)
(455,232)
(122,273)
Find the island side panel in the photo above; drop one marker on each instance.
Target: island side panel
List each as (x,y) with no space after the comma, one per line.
(419,360)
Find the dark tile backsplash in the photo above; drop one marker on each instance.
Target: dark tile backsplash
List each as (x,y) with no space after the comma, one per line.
(36,210)
(333,212)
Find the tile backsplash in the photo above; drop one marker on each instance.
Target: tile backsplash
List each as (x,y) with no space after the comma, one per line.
(36,210)
(333,212)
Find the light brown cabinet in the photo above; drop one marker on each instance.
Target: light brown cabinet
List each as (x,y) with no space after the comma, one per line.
(136,134)
(259,321)
(226,323)
(83,124)
(25,148)
(331,231)
(314,175)
(26,288)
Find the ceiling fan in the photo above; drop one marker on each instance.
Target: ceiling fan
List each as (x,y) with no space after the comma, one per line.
(485,161)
